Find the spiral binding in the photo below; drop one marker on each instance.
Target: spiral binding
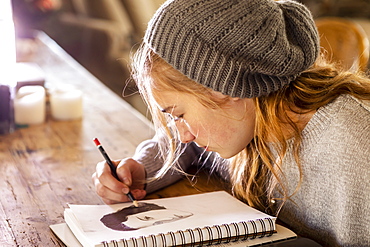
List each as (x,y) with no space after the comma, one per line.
(208,235)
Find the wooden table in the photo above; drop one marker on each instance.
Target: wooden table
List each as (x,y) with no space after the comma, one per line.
(44,167)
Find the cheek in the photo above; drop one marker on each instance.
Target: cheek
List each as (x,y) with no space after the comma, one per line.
(235,134)
(197,128)
(235,140)
(212,128)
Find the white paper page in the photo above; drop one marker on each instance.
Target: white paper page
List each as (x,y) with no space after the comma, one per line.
(65,234)
(208,209)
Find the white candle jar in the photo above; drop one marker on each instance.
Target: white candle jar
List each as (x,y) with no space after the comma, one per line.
(29,105)
(66,103)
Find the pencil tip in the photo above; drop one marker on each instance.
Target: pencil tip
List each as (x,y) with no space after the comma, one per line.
(135,203)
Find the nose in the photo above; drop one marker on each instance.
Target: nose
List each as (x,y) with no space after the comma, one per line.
(185,134)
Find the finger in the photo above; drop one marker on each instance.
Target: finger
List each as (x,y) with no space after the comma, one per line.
(105,177)
(138,194)
(109,196)
(124,171)
(131,172)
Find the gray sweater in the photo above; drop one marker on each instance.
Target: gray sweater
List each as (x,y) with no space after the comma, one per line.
(332,205)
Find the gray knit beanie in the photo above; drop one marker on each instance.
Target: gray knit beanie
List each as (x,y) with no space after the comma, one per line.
(241,48)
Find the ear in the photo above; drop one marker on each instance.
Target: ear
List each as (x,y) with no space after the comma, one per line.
(247,103)
(235,99)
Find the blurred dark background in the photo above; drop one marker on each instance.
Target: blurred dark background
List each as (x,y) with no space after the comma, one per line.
(100,34)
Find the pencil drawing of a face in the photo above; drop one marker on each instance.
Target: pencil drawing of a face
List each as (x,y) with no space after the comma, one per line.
(147,214)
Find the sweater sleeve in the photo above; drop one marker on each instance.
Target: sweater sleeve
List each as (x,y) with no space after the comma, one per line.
(148,154)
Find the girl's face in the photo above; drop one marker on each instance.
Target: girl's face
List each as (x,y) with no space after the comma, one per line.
(226,131)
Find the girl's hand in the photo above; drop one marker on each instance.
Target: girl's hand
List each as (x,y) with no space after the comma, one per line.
(132,178)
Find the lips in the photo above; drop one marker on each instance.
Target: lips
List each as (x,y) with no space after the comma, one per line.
(204,147)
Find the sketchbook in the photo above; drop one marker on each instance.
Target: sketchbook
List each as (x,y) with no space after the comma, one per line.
(195,220)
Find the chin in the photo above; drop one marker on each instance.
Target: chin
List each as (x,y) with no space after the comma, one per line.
(226,156)
(229,155)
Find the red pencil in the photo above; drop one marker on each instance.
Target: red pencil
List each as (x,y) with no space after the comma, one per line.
(113,169)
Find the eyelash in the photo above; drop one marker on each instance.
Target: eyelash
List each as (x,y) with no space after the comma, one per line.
(145,218)
(174,118)
(181,116)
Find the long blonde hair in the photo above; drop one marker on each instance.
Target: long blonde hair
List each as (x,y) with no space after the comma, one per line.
(256,171)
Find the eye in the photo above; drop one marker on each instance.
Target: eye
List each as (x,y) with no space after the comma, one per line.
(171,117)
(177,118)
(145,218)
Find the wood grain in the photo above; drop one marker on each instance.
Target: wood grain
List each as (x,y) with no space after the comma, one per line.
(45,167)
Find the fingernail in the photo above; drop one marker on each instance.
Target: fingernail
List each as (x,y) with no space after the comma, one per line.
(126,181)
(125,190)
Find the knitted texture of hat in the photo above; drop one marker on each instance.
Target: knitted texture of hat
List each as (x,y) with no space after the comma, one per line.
(241,48)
